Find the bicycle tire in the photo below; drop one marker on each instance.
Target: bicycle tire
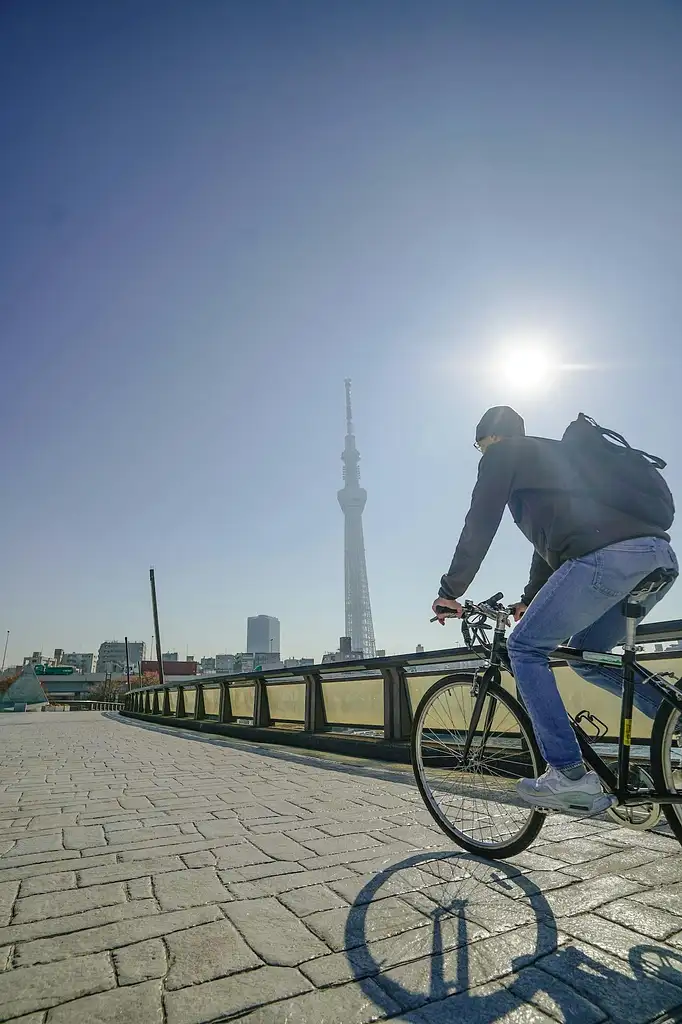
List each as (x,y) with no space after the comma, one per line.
(534,819)
(667,717)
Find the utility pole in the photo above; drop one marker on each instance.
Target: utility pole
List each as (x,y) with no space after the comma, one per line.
(127,663)
(4,653)
(155,609)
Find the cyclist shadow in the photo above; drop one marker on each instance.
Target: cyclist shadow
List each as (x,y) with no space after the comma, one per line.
(492,944)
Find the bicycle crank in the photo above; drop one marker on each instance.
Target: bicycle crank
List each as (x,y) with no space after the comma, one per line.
(639,817)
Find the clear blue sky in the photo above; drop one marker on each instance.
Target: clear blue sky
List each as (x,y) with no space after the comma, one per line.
(212,211)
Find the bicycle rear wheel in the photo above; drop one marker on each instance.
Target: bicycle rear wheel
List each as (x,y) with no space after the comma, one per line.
(666,760)
(473,799)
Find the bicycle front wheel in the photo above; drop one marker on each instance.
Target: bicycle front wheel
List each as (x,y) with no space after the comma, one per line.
(472,794)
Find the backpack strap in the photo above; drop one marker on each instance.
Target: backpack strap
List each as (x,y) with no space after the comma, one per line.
(611,435)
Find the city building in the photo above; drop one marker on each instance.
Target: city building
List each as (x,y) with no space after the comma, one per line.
(207,665)
(224,664)
(420,649)
(171,668)
(344,653)
(380,654)
(84,663)
(112,655)
(352,499)
(262,634)
(298,662)
(172,657)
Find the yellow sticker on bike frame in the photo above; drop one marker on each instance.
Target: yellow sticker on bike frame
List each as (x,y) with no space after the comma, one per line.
(627,731)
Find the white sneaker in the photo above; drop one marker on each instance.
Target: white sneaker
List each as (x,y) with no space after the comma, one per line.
(573,796)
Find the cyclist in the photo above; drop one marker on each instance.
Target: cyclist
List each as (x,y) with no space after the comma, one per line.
(588,557)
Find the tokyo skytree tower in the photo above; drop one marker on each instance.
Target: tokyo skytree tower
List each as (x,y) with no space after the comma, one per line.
(352,498)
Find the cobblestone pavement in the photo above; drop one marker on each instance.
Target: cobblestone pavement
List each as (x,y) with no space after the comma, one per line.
(149,875)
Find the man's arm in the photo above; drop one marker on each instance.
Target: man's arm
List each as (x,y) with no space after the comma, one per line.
(540,572)
(490,495)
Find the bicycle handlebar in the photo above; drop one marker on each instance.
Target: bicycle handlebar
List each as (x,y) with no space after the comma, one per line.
(490,608)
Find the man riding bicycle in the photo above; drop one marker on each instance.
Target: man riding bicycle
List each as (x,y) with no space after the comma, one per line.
(588,557)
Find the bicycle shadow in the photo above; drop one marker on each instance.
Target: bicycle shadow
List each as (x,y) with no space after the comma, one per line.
(492,944)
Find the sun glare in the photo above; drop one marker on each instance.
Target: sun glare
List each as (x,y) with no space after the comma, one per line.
(526,368)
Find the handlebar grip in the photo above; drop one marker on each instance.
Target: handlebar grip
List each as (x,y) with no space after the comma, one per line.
(495,599)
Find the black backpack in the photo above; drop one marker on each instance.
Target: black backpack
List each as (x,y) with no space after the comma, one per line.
(617,475)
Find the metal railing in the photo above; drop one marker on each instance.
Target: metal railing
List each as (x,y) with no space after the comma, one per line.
(86,705)
(359,707)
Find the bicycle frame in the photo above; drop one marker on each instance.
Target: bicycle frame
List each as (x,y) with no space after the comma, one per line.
(498,662)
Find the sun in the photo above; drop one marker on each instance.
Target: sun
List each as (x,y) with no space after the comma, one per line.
(526,368)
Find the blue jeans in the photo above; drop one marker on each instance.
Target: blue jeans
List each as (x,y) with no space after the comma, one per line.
(582,600)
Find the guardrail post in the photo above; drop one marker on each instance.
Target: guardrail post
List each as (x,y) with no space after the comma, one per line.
(397,714)
(180,705)
(261,707)
(315,718)
(165,708)
(199,703)
(225,703)
(155,702)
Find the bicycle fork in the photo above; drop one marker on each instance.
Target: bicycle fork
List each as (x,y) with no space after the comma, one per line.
(476,713)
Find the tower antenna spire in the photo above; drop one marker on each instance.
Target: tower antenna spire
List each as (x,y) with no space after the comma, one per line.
(349,410)
(352,498)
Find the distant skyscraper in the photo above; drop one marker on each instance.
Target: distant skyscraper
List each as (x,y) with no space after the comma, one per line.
(262,635)
(352,499)
(112,655)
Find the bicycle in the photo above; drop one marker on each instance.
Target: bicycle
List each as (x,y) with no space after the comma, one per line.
(488,743)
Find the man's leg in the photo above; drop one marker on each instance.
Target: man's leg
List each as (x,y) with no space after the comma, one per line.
(605,634)
(568,603)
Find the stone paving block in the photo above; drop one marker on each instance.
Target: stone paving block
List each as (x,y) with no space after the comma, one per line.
(280,847)
(71,901)
(43,843)
(140,888)
(373,957)
(48,883)
(627,994)
(253,871)
(137,803)
(669,898)
(133,869)
(172,848)
(365,888)
(436,977)
(143,835)
(342,844)
(128,824)
(37,988)
(201,859)
(285,883)
(274,932)
(192,887)
(8,894)
(197,1004)
(483,1005)
(651,921)
(84,837)
(362,1003)
(5,957)
(142,961)
(239,855)
(616,863)
(343,929)
(536,861)
(613,938)
(553,997)
(661,871)
(418,837)
(112,936)
(220,827)
(575,851)
(207,952)
(141,1003)
(311,900)
(302,835)
(582,896)
(52,821)
(46,863)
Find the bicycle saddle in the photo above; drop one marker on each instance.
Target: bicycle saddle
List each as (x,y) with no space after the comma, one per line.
(652,583)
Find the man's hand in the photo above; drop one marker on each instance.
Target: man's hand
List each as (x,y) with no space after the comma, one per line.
(446,602)
(520,610)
